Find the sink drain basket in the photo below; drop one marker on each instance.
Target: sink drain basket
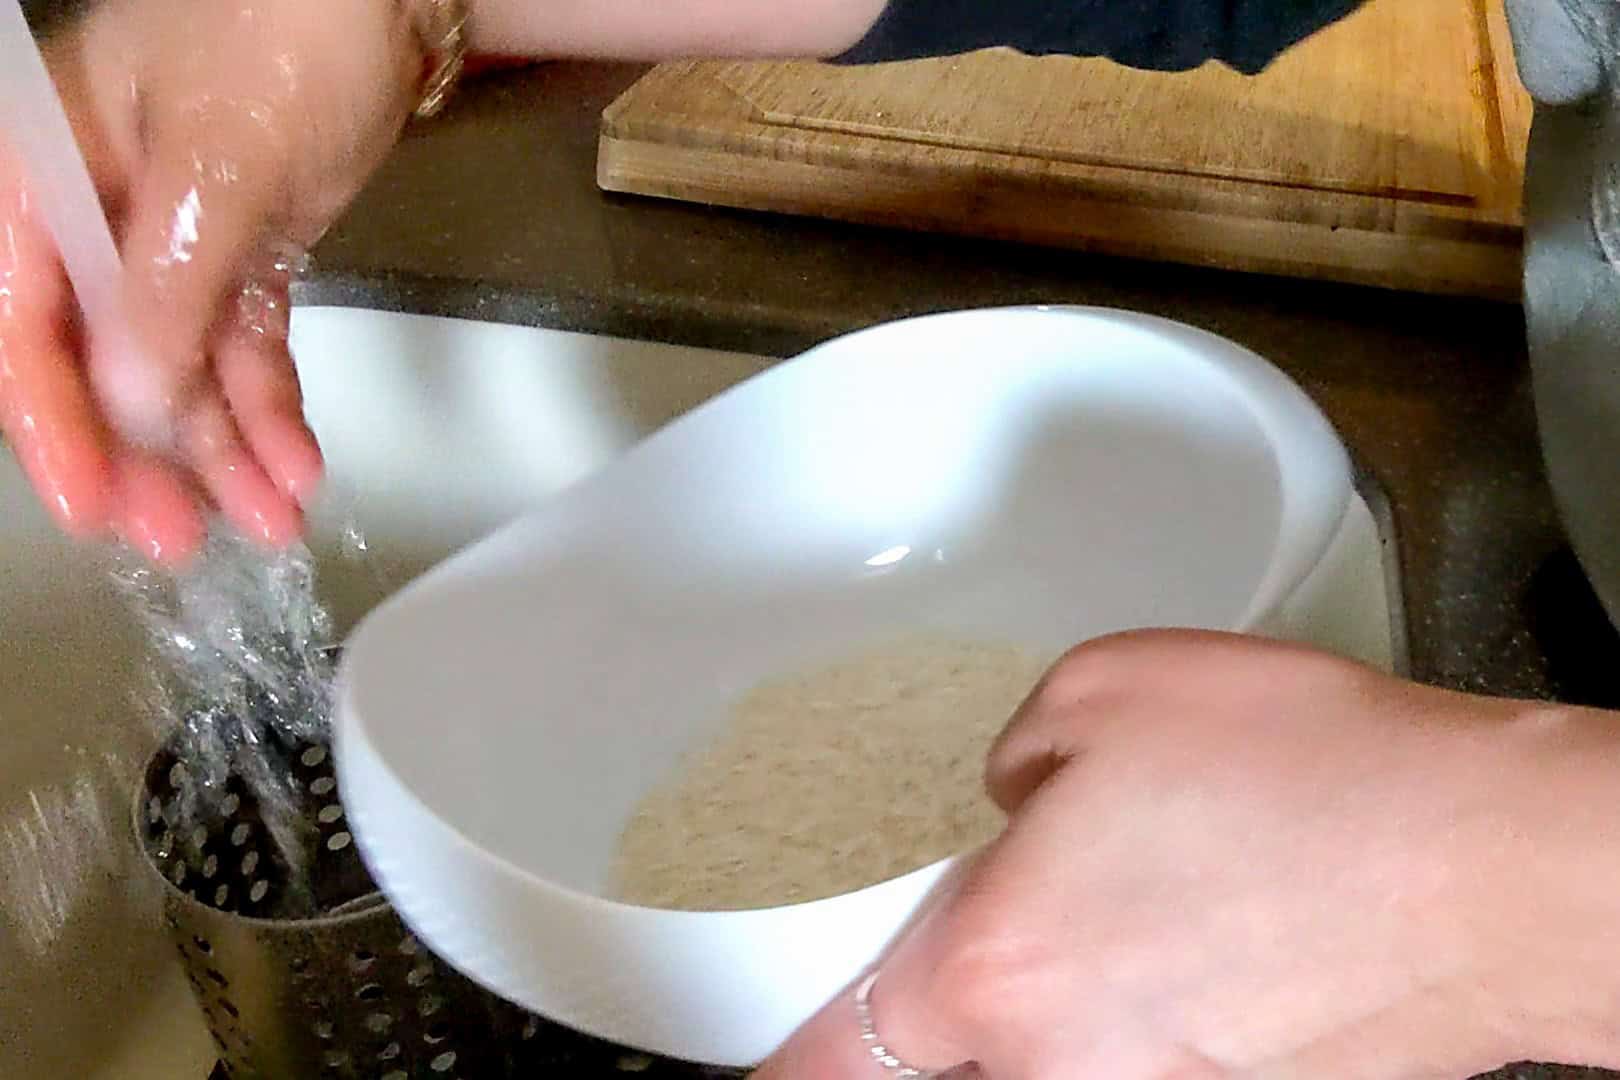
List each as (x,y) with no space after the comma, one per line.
(301,967)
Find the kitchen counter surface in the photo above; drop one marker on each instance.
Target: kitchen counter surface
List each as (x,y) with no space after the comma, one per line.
(492,212)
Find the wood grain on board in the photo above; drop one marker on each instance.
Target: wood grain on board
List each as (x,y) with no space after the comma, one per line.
(1387,150)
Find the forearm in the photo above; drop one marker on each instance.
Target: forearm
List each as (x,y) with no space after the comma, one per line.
(1154,34)
(668,29)
(1556,891)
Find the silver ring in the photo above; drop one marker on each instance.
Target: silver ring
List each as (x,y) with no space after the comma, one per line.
(869,1037)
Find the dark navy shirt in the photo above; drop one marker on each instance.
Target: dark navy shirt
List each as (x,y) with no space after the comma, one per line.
(1159,35)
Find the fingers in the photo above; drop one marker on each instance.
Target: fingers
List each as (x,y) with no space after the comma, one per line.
(1043,735)
(50,421)
(157,512)
(50,425)
(1028,753)
(828,1047)
(967,992)
(196,217)
(244,430)
(260,384)
(46,414)
(218,391)
(911,1009)
(835,1045)
(239,485)
(1089,684)
(1013,968)
(168,409)
(225,384)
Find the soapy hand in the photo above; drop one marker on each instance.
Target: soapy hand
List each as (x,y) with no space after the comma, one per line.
(223,138)
(1231,858)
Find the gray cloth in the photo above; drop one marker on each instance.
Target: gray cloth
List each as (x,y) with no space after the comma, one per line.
(1565,51)
(1560,46)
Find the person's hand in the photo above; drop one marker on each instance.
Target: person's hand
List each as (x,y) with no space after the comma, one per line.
(223,138)
(1230,858)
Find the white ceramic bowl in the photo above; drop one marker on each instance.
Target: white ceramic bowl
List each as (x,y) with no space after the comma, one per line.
(1043,475)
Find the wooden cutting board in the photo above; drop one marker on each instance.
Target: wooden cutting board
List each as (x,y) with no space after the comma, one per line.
(1386,150)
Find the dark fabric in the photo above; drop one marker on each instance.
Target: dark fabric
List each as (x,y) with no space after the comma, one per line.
(46,17)
(1158,35)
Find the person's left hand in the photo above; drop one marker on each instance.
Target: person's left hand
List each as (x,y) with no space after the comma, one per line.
(220,137)
(1234,858)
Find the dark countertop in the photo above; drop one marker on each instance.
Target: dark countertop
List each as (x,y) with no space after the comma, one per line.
(492,212)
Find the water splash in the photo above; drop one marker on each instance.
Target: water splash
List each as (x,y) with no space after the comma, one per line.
(241,667)
(52,855)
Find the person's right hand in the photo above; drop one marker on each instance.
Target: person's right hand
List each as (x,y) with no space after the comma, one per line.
(1231,858)
(223,138)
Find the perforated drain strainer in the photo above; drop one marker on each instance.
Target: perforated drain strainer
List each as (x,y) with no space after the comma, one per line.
(311,974)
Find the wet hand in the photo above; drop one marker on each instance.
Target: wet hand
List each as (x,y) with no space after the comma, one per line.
(224,138)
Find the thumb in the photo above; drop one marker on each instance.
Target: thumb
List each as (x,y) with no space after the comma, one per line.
(196,216)
(1037,743)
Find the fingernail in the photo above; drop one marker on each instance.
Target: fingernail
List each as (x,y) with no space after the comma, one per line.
(275,527)
(70,520)
(140,534)
(71,481)
(302,481)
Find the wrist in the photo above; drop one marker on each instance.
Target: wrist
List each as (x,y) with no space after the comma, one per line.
(621,30)
(1554,889)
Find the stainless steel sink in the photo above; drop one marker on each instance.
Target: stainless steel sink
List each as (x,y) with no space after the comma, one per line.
(436,432)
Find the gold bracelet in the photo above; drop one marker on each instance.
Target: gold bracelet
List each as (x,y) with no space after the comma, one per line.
(441,26)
